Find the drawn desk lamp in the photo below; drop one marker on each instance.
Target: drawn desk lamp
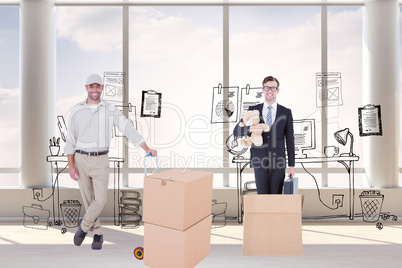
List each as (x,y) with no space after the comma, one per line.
(342,137)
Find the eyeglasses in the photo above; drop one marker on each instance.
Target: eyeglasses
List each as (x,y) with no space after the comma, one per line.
(273,89)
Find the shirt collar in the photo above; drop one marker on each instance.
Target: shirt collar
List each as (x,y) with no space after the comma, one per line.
(274,105)
(84,102)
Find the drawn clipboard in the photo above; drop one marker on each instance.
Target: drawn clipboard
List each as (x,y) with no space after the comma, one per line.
(250,96)
(151,104)
(132,117)
(225,104)
(370,120)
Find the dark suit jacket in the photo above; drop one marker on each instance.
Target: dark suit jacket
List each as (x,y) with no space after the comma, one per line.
(273,148)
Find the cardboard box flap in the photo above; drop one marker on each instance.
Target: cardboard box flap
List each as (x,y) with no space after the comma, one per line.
(273,203)
(179,175)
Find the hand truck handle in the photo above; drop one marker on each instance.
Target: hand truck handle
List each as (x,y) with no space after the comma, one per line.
(145,166)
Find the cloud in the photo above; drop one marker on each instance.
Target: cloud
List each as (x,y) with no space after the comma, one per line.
(155,37)
(92,28)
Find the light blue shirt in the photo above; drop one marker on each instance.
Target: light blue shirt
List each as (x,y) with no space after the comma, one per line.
(265,111)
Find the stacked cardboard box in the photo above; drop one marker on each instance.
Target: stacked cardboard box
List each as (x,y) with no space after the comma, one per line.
(177,218)
(272,225)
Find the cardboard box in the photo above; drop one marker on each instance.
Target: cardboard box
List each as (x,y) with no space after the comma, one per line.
(170,248)
(177,198)
(272,225)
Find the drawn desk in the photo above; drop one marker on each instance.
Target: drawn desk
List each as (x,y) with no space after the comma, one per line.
(346,160)
(54,160)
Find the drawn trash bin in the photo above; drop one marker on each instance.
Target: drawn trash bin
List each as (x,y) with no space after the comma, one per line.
(70,210)
(371,202)
(36,217)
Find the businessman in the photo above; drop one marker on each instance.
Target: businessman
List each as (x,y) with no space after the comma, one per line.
(269,160)
(90,125)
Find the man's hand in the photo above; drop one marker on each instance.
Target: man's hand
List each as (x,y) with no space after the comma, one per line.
(74,173)
(152,152)
(148,150)
(291,172)
(72,170)
(256,129)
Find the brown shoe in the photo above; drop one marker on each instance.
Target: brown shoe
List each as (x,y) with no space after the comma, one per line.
(79,235)
(97,242)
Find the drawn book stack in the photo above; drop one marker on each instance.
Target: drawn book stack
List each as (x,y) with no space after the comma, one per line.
(130,203)
(177,218)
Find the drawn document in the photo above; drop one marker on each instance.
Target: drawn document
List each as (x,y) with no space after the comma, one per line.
(114,87)
(370,120)
(151,104)
(329,89)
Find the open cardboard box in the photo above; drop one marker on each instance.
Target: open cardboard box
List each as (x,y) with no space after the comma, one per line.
(177,198)
(170,248)
(272,225)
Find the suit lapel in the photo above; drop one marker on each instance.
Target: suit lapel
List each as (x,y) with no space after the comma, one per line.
(259,107)
(278,112)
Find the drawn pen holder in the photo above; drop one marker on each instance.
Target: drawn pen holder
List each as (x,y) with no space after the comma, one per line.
(54,150)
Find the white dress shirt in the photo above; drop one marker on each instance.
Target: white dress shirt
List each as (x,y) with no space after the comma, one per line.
(265,111)
(90,127)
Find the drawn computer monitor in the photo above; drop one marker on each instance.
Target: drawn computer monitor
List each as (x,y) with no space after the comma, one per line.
(304,133)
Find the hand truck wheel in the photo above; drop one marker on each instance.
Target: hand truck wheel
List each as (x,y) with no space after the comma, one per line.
(139,253)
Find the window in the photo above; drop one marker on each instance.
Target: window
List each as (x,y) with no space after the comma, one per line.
(89,40)
(177,51)
(345,59)
(9,91)
(400,110)
(283,42)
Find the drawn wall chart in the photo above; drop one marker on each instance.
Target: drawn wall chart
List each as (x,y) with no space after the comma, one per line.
(114,83)
(151,104)
(329,89)
(250,96)
(225,108)
(370,120)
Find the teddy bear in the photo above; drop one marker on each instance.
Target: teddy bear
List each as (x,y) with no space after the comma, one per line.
(252,118)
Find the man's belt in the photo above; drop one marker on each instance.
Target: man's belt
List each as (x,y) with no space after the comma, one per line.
(92,153)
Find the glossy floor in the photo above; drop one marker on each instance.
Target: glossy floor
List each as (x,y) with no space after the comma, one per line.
(325,244)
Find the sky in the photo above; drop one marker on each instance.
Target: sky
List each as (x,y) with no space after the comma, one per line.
(178,51)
